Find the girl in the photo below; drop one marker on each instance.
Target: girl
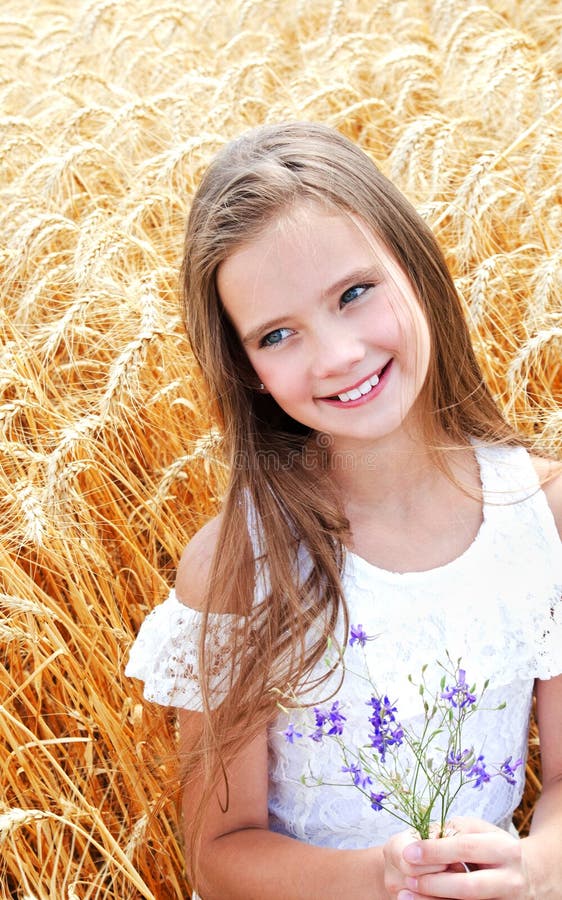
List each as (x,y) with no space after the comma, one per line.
(373,482)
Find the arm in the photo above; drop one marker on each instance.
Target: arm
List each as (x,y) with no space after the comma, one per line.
(239,858)
(542,848)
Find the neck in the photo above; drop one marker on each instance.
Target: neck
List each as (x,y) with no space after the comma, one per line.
(394,472)
(412,511)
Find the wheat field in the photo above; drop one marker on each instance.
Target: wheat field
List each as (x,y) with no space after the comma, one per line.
(110,110)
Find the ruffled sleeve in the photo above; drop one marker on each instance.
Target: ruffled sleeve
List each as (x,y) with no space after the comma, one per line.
(165,655)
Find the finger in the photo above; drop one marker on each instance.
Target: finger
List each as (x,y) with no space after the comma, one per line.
(491,848)
(397,865)
(454,887)
(409,869)
(415,871)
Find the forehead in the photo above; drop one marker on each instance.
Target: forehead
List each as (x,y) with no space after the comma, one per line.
(306,248)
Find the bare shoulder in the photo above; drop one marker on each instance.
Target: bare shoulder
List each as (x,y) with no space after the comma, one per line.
(550,476)
(194,567)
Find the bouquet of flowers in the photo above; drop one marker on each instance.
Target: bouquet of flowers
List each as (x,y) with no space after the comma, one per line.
(418,793)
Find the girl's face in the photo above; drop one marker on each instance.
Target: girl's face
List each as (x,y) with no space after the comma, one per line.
(330,323)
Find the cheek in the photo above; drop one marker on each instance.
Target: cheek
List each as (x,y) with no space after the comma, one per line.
(387,328)
(281,376)
(407,329)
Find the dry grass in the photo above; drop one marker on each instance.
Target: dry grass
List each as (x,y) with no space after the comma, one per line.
(110,111)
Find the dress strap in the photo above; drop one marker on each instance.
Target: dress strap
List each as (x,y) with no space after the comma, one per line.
(515,502)
(507,474)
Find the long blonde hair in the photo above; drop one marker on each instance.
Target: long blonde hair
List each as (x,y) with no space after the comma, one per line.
(252,181)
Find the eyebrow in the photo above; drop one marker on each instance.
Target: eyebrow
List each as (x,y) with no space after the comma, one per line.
(369,273)
(263,329)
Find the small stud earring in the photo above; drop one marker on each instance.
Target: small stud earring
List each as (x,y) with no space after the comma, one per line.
(262,386)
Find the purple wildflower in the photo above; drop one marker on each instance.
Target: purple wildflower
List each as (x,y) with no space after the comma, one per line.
(359,778)
(320,717)
(507,770)
(386,731)
(459,694)
(479,773)
(334,718)
(291,733)
(382,709)
(459,761)
(376,801)
(358,635)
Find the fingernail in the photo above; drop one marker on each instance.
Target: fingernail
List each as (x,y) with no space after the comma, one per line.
(412,883)
(412,853)
(405,895)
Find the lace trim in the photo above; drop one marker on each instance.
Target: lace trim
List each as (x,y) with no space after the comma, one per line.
(166,651)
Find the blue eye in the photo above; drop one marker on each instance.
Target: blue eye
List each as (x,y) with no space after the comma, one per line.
(274,337)
(353,293)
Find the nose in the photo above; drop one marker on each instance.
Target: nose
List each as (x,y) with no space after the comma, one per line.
(337,350)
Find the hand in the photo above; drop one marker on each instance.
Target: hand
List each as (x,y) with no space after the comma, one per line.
(396,869)
(498,870)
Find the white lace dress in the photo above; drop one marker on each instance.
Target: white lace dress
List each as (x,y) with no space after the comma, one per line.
(498,607)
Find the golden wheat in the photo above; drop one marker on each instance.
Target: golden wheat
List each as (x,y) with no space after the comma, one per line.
(109,460)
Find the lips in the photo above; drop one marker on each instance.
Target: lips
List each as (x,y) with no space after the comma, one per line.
(360,388)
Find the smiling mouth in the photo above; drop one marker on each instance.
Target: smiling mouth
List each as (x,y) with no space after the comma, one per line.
(362,389)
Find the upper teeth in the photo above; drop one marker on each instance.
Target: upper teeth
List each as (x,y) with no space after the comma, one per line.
(357,392)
